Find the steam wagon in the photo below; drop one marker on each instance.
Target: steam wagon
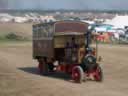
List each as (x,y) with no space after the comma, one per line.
(64,46)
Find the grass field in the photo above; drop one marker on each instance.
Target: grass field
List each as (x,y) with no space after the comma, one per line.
(19,75)
(23,30)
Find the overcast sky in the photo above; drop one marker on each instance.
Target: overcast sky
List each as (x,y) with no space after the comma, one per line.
(64,4)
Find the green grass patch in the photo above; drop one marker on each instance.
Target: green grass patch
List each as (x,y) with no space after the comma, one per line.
(12,37)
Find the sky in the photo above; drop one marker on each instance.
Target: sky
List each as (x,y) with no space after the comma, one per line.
(65,4)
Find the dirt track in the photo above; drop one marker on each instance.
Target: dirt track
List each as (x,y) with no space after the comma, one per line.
(19,76)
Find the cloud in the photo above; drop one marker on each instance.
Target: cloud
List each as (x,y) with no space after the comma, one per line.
(3,4)
(64,4)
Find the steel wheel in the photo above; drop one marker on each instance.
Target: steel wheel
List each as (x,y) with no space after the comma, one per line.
(98,74)
(77,74)
(40,67)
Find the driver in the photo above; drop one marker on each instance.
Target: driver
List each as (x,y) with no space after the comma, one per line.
(81,53)
(74,49)
(71,49)
(68,53)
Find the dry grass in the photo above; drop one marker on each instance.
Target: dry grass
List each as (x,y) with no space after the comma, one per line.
(19,76)
(24,29)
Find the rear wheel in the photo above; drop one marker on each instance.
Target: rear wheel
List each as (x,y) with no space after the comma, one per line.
(99,74)
(42,66)
(77,74)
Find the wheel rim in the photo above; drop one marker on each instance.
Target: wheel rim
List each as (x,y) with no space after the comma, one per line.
(98,74)
(76,75)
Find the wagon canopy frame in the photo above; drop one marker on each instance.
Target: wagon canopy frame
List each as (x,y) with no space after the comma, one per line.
(68,27)
(44,35)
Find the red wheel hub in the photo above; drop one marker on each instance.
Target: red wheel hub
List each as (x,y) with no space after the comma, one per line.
(97,74)
(75,74)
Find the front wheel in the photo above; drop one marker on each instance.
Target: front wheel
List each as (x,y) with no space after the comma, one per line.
(77,74)
(99,74)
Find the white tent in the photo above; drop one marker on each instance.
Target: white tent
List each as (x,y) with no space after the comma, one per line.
(118,21)
(20,19)
(89,22)
(5,17)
